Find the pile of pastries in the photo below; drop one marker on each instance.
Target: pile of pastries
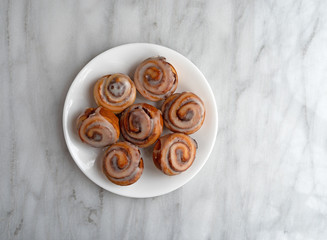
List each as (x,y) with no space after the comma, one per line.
(141,124)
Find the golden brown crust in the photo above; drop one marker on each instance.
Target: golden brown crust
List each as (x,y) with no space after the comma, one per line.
(183,112)
(115,92)
(98,127)
(174,153)
(141,124)
(122,163)
(156,79)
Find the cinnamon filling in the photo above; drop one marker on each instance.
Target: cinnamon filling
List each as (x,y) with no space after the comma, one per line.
(116,88)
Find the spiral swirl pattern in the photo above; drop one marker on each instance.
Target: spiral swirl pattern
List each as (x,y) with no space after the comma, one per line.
(122,163)
(98,127)
(141,124)
(183,112)
(155,79)
(115,92)
(174,153)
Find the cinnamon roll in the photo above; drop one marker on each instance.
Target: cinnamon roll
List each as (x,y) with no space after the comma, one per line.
(183,112)
(155,78)
(98,127)
(115,92)
(141,124)
(122,163)
(174,153)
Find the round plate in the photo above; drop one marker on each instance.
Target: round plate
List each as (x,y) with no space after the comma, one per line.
(124,59)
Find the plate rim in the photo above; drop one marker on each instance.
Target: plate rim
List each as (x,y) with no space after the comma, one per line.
(74,82)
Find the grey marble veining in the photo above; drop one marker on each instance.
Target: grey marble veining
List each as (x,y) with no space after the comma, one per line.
(266,62)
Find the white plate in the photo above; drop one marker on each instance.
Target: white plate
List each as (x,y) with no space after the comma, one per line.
(124,59)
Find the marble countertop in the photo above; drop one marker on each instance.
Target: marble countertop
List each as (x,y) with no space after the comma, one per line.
(266,63)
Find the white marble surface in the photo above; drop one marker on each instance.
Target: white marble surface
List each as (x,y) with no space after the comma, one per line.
(267,64)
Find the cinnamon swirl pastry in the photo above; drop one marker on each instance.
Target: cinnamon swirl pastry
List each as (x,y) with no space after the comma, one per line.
(122,163)
(141,124)
(183,112)
(115,92)
(174,153)
(98,127)
(155,78)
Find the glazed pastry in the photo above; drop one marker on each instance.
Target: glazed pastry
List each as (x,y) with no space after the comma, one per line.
(115,92)
(174,153)
(183,112)
(141,124)
(98,127)
(122,163)
(155,78)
